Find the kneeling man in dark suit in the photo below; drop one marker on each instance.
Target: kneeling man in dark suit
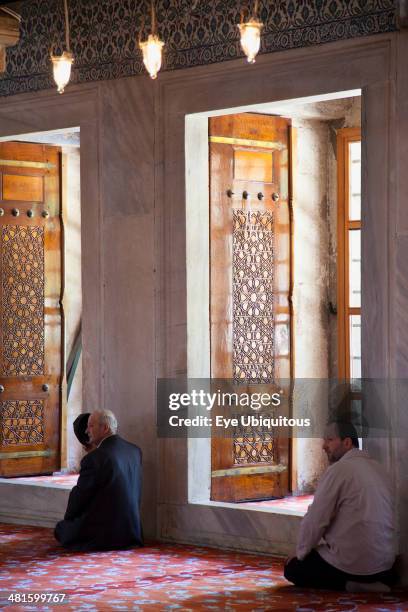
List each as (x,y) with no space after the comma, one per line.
(103,510)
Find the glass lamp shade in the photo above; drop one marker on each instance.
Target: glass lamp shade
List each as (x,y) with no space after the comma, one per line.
(62,69)
(250,38)
(152,54)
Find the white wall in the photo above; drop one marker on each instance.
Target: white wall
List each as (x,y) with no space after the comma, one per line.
(73,292)
(198,290)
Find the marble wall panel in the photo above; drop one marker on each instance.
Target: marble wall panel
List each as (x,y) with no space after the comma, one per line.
(32,504)
(234,528)
(400,309)
(127,186)
(402,141)
(127,147)
(129,376)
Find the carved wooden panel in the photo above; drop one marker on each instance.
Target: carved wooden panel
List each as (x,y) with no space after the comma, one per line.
(22,254)
(252,445)
(21,422)
(253,278)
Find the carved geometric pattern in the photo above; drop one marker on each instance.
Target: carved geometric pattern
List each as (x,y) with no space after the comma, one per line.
(22,265)
(252,291)
(21,422)
(104,33)
(252,445)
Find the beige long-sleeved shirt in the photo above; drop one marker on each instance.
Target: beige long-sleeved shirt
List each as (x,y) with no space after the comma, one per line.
(351,520)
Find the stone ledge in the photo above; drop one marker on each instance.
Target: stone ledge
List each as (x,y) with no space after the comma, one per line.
(31,504)
(228,526)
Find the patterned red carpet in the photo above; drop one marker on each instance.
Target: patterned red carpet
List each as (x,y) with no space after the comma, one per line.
(159,577)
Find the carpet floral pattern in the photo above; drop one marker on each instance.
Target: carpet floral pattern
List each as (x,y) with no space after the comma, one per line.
(159,577)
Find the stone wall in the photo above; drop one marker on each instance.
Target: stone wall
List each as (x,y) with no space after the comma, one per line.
(134,243)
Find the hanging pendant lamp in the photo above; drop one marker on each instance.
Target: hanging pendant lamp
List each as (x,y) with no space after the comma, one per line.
(152,49)
(251,35)
(62,64)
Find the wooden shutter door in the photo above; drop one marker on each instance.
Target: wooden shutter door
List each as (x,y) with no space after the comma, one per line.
(30,311)
(250,285)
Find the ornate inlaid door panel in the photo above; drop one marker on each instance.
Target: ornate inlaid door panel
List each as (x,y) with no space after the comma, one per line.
(250,287)
(30,312)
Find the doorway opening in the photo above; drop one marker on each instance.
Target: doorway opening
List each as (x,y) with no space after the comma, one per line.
(324,277)
(43,217)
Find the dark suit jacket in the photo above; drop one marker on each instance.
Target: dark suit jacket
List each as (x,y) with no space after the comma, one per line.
(104,508)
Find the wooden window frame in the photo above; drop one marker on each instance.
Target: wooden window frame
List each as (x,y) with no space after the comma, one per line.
(345,136)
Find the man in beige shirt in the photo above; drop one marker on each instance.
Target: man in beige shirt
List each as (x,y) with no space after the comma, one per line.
(347,538)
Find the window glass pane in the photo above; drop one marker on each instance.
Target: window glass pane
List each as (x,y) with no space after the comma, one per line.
(355,207)
(355,151)
(355,181)
(355,346)
(355,268)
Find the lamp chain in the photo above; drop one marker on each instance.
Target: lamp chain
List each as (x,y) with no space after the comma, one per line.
(67,26)
(153,19)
